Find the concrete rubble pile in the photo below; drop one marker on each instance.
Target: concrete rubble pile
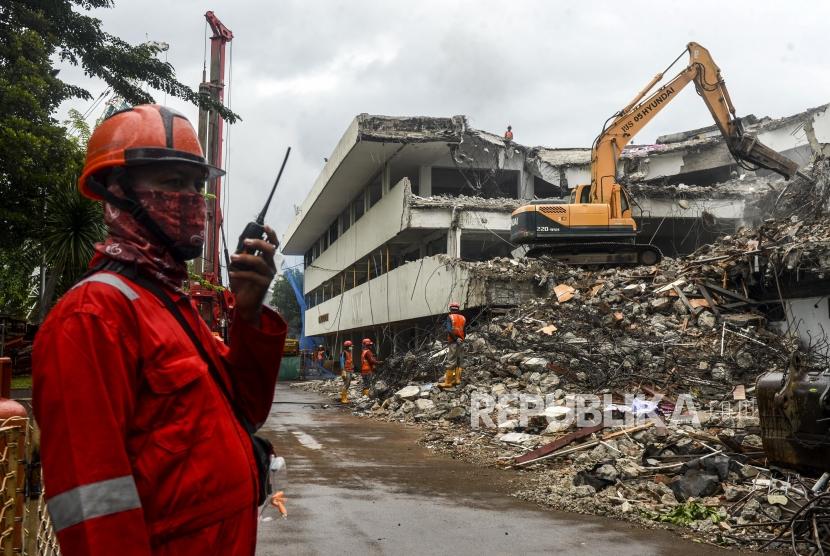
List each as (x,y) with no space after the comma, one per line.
(461,202)
(689,337)
(806,197)
(797,244)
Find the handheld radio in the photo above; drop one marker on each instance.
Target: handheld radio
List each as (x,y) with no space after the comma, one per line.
(256,229)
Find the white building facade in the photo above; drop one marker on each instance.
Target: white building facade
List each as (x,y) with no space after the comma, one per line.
(401,200)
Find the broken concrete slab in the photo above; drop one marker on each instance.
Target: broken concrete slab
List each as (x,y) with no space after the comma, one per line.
(520,438)
(408,392)
(694,484)
(534,364)
(424,405)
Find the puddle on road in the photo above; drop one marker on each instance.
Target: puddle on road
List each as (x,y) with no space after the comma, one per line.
(368,438)
(307,440)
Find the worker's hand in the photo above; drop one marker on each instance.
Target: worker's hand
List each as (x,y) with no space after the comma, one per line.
(251,284)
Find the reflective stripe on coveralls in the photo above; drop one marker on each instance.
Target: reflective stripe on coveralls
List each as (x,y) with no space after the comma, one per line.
(111,280)
(93,500)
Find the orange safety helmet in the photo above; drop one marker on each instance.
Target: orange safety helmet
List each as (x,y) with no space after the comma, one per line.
(455,305)
(142,134)
(367,342)
(347,343)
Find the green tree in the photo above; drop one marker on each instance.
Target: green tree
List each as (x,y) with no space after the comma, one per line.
(285,301)
(78,38)
(35,152)
(79,129)
(18,284)
(40,159)
(73,225)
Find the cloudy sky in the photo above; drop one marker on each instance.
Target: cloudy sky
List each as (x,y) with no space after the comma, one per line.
(301,70)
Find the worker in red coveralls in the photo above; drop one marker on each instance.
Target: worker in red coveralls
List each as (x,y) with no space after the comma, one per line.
(368,362)
(321,358)
(142,452)
(508,135)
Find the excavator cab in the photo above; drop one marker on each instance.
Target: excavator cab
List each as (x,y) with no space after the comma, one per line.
(580,194)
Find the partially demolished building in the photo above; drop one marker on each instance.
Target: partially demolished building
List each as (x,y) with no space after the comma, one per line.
(401,200)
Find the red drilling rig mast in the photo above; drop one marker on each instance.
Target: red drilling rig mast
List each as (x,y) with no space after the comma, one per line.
(213,302)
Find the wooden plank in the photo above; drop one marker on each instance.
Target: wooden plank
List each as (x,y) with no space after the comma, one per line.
(708,297)
(710,260)
(728,293)
(667,287)
(736,305)
(685,301)
(698,302)
(564,292)
(560,442)
(742,319)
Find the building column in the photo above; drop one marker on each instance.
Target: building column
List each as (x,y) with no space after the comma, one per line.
(386,179)
(526,185)
(425,181)
(454,242)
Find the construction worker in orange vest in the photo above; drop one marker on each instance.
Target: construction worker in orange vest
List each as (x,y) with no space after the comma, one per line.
(508,135)
(368,362)
(346,370)
(455,348)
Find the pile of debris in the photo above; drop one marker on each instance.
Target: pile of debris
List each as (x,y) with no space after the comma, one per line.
(713,484)
(797,244)
(461,202)
(805,197)
(672,351)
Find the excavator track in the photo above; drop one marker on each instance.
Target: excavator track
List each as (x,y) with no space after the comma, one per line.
(595,253)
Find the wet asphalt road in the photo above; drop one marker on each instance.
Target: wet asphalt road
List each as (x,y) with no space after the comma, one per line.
(357,486)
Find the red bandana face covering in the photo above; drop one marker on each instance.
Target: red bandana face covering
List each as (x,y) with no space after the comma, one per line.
(181,215)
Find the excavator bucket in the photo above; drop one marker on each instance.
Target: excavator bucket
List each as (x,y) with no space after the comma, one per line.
(747,147)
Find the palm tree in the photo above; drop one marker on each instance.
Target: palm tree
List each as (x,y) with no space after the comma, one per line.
(73,225)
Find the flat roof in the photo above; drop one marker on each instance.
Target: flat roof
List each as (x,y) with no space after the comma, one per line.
(368,143)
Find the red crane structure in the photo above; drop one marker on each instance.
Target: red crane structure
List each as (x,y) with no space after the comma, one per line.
(213,302)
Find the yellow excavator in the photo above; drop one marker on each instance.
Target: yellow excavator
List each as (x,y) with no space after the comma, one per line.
(597,226)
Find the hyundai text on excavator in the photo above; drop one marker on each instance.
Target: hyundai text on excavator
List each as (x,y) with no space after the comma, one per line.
(597,226)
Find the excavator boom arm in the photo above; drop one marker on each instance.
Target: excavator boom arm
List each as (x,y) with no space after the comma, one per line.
(712,89)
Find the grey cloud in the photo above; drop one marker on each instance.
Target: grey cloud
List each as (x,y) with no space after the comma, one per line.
(554,71)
